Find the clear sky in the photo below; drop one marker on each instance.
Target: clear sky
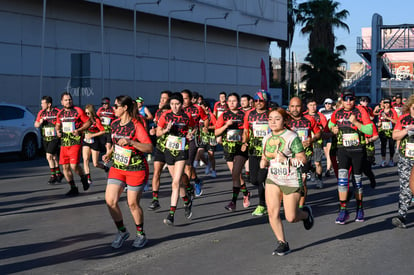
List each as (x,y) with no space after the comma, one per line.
(393,12)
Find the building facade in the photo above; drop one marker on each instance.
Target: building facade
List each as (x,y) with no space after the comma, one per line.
(139,48)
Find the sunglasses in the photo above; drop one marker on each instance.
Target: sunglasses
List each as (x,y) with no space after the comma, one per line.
(327,103)
(349,97)
(105,103)
(87,113)
(259,100)
(117,106)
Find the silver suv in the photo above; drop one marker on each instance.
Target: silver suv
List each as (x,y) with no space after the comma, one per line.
(17,131)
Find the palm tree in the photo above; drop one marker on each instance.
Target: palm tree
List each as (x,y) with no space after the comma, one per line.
(323,75)
(318,18)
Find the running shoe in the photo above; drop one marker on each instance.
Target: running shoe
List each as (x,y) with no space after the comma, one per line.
(383,163)
(231,206)
(259,211)
(319,184)
(246,200)
(359,215)
(52,180)
(169,220)
(72,192)
(399,222)
(59,177)
(188,213)
(282,249)
(198,188)
(391,163)
(202,163)
(120,238)
(89,181)
(140,241)
(207,171)
(85,183)
(213,174)
(343,216)
(308,223)
(155,204)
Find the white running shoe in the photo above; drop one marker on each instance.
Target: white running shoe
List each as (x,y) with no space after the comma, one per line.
(140,241)
(383,163)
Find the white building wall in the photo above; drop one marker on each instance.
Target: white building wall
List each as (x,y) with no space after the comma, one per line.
(74,27)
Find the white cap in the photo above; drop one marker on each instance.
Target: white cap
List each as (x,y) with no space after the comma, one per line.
(328,100)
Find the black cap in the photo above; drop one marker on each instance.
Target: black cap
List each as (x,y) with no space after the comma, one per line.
(398,96)
(195,95)
(347,92)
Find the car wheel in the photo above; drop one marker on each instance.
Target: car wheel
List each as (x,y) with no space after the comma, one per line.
(29,148)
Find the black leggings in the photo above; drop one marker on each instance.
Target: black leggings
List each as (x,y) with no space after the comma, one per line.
(258,177)
(391,145)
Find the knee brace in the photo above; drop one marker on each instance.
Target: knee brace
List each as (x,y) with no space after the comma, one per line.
(342,180)
(358,184)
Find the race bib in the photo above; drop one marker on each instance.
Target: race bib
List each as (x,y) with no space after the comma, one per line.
(303,133)
(88,140)
(219,113)
(350,139)
(106,121)
(175,143)
(409,150)
(398,110)
(122,156)
(282,173)
(386,125)
(68,126)
(260,129)
(234,135)
(49,131)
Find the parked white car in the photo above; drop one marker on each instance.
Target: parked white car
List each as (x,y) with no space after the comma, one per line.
(17,131)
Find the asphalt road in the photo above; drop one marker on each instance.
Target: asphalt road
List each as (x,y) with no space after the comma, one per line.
(42,232)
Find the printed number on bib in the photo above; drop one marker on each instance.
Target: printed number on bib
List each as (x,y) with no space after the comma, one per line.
(303,133)
(409,150)
(68,126)
(175,143)
(350,139)
(282,173)
(49,131)
(260,129)
(122,156)
(234,135)
(106,121)
(386,125)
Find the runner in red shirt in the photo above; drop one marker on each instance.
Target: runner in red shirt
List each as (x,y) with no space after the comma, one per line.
(46,120)
(107,115)
(220,106)
(71,121)
(308,131)
(91,142)
(350,124)
(130,141)
(176,125)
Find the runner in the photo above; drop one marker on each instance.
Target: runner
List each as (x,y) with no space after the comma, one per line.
(220,106)
(71,121)
(159,157)
(256,126)
(176,125)
(46,120)
(196,113)
(284,153)
(327,111)
(91,142)
(308,131)
(404,132)
(107,115)
(350,124)
(246,106)
(230,126)
(386,121)
(130,142)
(142,109)
(208,142)
(322,122)
(398,104)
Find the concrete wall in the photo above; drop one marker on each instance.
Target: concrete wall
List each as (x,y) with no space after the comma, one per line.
(74,27)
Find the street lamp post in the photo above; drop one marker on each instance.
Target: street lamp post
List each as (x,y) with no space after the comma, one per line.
(205,45)
(135,37)
(169,40)
(102,52)
(42,48)
(237,52)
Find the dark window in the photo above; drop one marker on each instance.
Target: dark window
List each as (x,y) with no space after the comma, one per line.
(9,113)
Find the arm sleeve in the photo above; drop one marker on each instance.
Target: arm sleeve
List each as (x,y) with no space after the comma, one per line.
(220,122)
(141,133)
(324,122)
(202,113)
(38,117)
(99,124)
(161,122)
(398,126)
(58,117)
(83,117)
(331,124)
